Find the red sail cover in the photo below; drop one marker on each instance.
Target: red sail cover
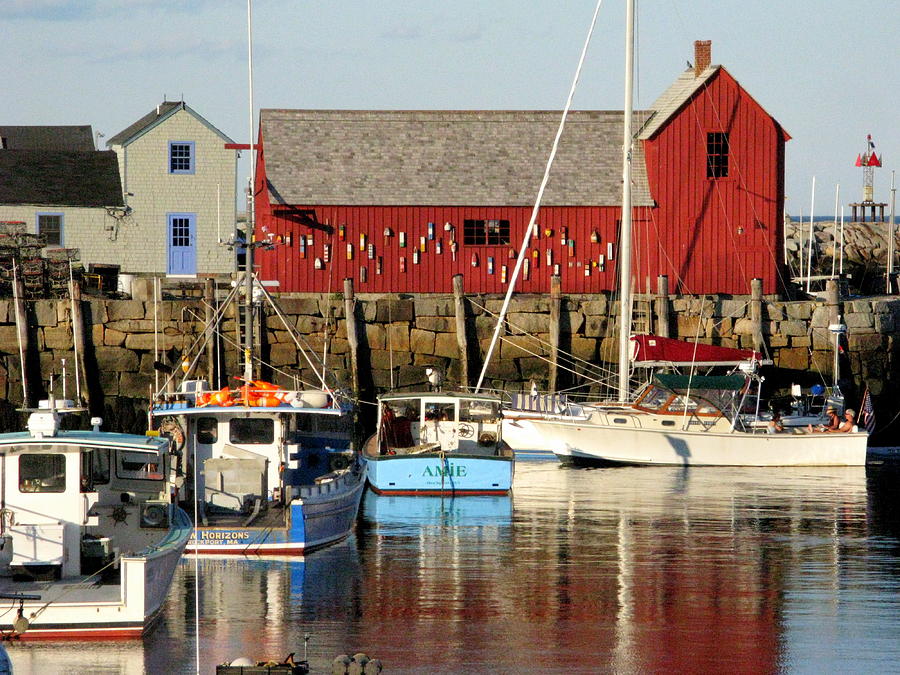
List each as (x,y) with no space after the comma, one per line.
(649,350)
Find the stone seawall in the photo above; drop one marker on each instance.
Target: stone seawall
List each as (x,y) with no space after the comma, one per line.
(399,335)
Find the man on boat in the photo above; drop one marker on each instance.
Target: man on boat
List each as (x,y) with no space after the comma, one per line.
(834,422)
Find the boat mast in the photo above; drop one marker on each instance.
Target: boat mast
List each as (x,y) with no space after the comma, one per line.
(249,237)
(625,242)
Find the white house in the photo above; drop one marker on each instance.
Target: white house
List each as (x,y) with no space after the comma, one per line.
(180,184)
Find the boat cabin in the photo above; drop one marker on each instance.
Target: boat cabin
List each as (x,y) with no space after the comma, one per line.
(700,395)
(72,499)
(255,456)
(447,422)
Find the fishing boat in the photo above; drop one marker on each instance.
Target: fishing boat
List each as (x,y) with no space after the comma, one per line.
(681,419)
(439,443)
(272,471)
(89,537)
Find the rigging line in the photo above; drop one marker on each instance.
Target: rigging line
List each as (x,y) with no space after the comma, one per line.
(537,204)
(537,339)
(581,374)
(294,335)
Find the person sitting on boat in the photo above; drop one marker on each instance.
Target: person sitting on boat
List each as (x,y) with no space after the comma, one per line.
(848,423)
(775,425)
(834,422)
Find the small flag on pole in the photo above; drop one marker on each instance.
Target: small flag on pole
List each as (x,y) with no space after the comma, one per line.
(867,412)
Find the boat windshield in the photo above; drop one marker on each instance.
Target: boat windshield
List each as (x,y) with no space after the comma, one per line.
(479,411)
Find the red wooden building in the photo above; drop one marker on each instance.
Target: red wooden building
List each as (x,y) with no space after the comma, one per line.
(402,200)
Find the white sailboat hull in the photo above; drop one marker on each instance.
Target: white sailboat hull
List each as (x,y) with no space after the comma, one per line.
(588,441)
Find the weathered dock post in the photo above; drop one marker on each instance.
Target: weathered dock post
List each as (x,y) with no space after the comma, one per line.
(462,343)
(78,339)
(352,334)
(555,313)
(756,300)
(22,335)
(209,299)
(833,301)
(662,305)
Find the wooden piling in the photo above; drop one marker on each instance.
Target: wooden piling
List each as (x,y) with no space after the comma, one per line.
(352,334)
(756,299)
(462,343)
(662,305)
(209,300)
(833,301)
(22,335)
(79,339)
(555,313)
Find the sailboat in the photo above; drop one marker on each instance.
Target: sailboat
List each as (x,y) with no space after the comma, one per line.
(680,419)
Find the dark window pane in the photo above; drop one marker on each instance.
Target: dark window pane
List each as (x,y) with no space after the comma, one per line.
(251,431)
(42,473)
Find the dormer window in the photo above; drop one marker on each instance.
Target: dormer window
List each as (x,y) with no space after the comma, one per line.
(181,157)
(717,155)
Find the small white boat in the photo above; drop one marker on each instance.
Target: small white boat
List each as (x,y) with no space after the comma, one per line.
(89,538)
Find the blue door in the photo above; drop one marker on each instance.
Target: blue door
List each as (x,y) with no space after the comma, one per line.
(182,244)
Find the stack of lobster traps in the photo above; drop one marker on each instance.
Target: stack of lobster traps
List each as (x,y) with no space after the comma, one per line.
(62,264)
(41,276)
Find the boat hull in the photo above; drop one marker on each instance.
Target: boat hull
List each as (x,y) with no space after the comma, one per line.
(322,515)
(440,474)
(95,611)
(586,443)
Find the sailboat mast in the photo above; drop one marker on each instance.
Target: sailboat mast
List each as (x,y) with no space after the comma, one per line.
(249,237)
(625,241)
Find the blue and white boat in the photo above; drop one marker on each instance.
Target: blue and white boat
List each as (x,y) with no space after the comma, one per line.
(89,537)
(273,472)
(439,443)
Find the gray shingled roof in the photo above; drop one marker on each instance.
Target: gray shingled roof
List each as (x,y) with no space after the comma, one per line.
(76,138)
(150,118)
(671,100)
(451,158)
(154,117)
(60,178)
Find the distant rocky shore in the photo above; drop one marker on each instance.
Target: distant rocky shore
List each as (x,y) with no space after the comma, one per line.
(865,249)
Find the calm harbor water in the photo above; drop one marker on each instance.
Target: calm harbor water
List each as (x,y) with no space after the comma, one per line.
(580,571)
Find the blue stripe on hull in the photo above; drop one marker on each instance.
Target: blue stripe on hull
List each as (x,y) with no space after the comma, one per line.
(431,474)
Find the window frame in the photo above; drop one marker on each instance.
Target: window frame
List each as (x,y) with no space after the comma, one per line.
(718,154)
(51,214)
(234,432)
(33,476)
(477,232)
(191,159)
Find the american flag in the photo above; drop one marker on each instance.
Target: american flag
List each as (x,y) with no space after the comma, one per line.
(867,412)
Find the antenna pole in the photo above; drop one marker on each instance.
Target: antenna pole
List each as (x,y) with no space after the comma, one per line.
(250,236)
(890,260)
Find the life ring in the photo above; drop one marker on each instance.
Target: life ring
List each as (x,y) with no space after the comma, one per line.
(338,462)
(171,427)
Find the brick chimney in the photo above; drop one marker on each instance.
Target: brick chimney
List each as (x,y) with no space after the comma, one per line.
(702,56)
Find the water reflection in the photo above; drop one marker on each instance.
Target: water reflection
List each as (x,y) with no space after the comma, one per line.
(580,570)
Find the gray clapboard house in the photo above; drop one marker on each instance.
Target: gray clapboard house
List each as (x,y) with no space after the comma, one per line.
(53,180)
(180,184)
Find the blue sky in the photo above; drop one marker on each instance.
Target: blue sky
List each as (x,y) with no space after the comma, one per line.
(827,70)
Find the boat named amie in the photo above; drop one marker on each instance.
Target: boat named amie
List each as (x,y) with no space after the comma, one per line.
(89,538)
(439,443)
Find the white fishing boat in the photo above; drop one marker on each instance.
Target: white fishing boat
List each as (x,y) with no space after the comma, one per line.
(89,537)
(681,419)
